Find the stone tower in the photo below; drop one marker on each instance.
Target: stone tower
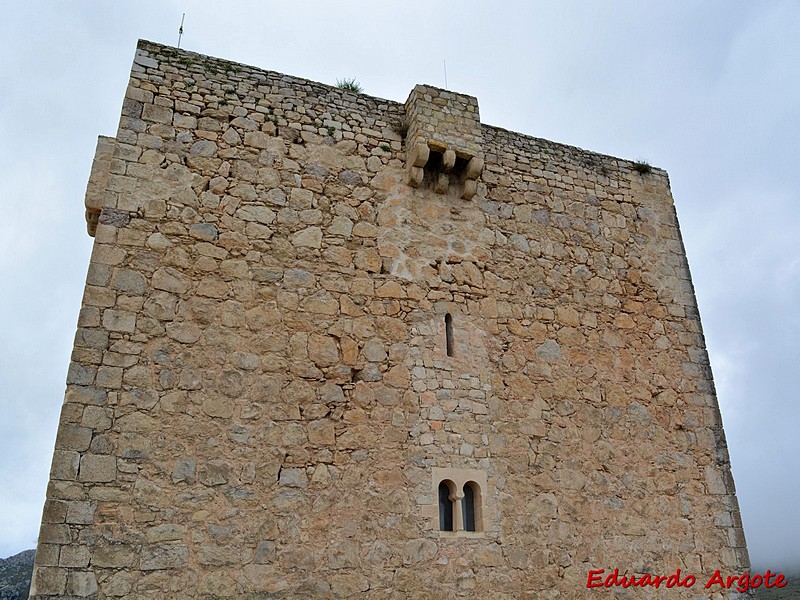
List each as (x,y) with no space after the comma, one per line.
(333,346)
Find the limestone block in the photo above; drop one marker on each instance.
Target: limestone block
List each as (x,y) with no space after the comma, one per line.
(714,481)
(144,60)
(47,555)
(321,433)
(141,398)
(448,160)
(55,534)
(419,550)
(214,472)
(218,406)
(257,139)
(260,214)
(96,468)
(490,555)
(184,470)
(129,281)
(54,511)
(419,154)
(119,320)
(203,148)
(172,556)
(80,512)
(65,465)
(343,555)
(185,333)
(81,584)
(470,189)
(245,123)
(310,237)
(349,585)
(72,437)
(442,183)
(374,351)
(204,231)
(161,306)
(218,555)
(321,302)
(74,556)
(323,350)
(474,168)
(49,581)
(293,478)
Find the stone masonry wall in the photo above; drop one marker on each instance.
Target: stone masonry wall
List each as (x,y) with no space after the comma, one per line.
(260,395)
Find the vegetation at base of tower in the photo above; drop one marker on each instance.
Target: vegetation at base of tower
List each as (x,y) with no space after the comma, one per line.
(386,147)
(349,84)
(331,130)
(15,575)
(642,167)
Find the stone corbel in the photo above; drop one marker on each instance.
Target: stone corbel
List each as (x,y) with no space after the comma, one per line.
(417,160)
(418,157)
(471,173)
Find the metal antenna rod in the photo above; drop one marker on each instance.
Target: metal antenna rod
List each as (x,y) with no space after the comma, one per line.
(180,30)
(445,73)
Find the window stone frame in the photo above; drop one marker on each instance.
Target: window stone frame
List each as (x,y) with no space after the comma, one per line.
(459,478)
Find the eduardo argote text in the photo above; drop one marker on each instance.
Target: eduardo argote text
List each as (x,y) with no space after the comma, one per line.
(598,578)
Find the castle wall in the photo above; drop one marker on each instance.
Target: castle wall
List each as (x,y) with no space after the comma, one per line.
(261,403)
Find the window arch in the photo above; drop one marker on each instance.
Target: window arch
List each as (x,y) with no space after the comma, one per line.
(446,513)
(471,506)
(460,498)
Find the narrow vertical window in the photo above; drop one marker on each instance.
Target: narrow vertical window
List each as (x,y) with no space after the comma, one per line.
(468,508)
(448,332)
(445,508)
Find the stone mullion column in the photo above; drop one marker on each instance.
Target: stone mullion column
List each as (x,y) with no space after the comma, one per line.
(458,516)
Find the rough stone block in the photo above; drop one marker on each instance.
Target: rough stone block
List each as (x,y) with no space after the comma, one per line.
(119,320)
(164,557)
(97,468)
(65,465)
(49,581)
(74,556)
(72,437)
(80,512)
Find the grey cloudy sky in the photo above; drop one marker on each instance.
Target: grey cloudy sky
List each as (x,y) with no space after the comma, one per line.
(709,90)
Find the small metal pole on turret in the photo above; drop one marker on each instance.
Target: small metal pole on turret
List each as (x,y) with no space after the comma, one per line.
(180,30)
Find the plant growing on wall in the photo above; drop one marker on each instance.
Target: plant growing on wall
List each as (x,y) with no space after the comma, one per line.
(349,84)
